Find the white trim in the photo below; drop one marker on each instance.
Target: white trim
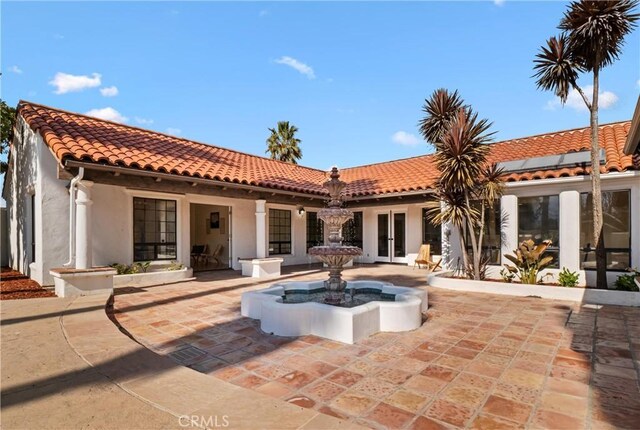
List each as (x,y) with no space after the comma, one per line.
(571,179)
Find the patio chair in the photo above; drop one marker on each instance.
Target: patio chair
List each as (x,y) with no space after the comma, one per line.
(424,259)
(217,253)
(196,253)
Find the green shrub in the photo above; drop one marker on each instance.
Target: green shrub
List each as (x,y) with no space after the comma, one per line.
(529,261)
(506,275)
(568,278)
(174,266)
(130,269)
(627,282)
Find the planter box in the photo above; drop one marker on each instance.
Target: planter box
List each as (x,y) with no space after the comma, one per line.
(575,294)
(153,278)
(261,267)
(83,282)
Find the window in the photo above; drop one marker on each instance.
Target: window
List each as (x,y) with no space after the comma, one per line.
(315,230)
(279,232)
(431,234)
(154,229)
(352,231)
(538,220)
(491,236)
(616,234)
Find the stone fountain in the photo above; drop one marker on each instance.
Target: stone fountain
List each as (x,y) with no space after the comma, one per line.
(335,255)
(333,308)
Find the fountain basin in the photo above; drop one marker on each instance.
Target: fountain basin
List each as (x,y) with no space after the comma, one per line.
(343,324)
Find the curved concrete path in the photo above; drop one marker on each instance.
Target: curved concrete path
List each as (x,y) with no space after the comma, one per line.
(66,365)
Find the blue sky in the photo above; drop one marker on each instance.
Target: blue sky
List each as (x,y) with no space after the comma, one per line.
(351,76)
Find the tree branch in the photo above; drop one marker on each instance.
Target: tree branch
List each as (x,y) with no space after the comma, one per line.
(584,97)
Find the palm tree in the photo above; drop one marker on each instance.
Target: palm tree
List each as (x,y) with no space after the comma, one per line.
(467,184)
(282,144)
(592,38)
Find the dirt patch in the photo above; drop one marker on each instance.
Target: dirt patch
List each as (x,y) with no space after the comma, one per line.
(14,285)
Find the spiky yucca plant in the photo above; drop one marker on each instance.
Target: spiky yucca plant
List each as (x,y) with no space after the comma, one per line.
(467,183)
(529,261)
(592,38)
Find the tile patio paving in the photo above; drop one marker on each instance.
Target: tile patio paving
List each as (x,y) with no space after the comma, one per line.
(479,360)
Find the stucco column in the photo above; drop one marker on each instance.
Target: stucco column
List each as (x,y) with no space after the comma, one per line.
(569,230)
(261,229)
(509,222)
(84,246)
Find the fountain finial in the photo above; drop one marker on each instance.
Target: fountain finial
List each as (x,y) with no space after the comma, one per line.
(335,187)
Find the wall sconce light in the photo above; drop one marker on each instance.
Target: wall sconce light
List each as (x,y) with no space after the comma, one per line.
(300,210)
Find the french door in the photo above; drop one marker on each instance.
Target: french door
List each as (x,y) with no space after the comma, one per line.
(392,237)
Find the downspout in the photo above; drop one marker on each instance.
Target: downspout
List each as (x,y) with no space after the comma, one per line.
(72,216)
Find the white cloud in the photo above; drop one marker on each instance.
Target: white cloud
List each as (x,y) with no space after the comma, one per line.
(606,100)
(109,91)
(638,83)
(108,113)
(404,138)
(15,69)
(498,2)
(174,131)
(143,121)
(297,65)
(66,83)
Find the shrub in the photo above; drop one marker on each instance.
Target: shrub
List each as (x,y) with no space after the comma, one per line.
(627,282)
(529,261)
(506,275)
(130,269)
(568,278)
(175,266)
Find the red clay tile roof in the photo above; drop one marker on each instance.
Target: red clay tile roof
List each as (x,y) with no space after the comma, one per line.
(420,173)
(83,138)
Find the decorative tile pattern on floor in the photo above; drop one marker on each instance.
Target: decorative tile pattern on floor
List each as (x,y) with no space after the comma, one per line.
(478,361)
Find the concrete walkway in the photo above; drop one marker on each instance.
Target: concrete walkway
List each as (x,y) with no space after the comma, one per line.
(66,365)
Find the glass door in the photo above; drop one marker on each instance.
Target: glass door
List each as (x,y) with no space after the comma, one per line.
(392,237)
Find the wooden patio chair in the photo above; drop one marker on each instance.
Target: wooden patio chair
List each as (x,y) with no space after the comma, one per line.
(424,258)
(217,253)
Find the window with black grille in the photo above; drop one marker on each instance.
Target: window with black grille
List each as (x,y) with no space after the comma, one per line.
(279,232)
(154,229)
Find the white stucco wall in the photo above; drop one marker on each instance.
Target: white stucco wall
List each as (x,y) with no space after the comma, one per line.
(568,190)
(33,171)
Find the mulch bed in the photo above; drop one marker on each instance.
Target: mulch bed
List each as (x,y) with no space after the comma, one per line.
(15,285)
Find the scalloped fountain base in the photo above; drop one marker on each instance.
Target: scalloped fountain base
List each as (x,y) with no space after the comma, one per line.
(384,307)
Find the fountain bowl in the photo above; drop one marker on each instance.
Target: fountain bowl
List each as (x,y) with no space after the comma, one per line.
(400,311)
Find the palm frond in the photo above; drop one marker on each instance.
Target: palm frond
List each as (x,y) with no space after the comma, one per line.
(596,30)
(439,110)
(556,68)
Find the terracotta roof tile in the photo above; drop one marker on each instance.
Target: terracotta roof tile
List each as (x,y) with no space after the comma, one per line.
(82,138)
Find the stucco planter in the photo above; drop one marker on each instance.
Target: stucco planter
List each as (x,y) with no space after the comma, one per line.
(153,278)
(585,295)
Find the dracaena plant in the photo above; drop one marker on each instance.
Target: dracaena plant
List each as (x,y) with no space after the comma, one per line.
(592,38)
(468,183)
(529,260)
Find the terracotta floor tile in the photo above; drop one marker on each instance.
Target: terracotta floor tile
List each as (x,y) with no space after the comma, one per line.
(470,344)
(508,409)
(317,368)
(567,386)
(407,363)
(425,423)
(614,383)
(271,371)
(332,412)
(380,357)
(580,375)
(491,422)
(564,404)
(296,379)
(451,413)
(302,401)
(463,395)
(424,385)
(395,376)
(439,372)
(604,397)
(619,372)
(486,369)
(344,378)
(548,419)
(407,400)
(473,380)
(227,373)
(615,416)
(389,416)
(374,387)
(452,362)
(352,403)
(457,351)
(249,381)
(423,355)
(323,390)
(522,377)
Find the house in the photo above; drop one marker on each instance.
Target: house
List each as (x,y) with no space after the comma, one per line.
(141,195)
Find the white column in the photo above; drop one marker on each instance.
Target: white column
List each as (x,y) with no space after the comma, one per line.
(84,245)
(509,222)
(261,229)
(569,230)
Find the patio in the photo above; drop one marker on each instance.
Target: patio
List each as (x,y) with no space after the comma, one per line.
(478,361)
